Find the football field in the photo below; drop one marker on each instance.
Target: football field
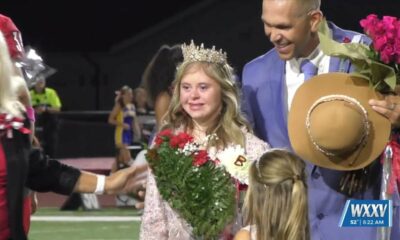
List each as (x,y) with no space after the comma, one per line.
(110,224)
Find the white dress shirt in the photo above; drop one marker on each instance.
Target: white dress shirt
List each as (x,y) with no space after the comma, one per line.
(294,78)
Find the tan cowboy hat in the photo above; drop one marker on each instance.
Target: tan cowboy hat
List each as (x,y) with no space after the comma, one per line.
(332,125)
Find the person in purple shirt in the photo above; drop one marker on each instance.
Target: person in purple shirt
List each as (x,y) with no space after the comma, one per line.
(269,83)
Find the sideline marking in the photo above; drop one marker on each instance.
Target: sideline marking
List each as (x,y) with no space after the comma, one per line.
(85,219)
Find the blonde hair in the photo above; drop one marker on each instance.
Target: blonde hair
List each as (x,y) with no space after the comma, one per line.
(276,201)
(230,120)
(8,94)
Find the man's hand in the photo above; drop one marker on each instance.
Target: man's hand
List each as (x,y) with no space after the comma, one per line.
(116,182)
(140,205)
(389,107)
(137,186)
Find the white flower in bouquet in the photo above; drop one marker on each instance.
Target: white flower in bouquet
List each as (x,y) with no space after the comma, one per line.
(234,160)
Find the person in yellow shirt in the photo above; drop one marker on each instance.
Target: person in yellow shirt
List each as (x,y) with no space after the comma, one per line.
(46,103)
(44,99)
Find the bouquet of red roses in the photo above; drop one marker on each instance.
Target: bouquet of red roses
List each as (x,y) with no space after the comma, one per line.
(199,190)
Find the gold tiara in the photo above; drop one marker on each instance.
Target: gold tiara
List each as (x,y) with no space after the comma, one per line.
(193,53)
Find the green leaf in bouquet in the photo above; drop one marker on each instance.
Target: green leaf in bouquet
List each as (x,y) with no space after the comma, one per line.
(194,191)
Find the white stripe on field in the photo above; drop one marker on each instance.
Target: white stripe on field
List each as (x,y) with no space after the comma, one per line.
(84,219)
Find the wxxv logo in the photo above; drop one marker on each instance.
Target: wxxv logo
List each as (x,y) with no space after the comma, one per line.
(367,213)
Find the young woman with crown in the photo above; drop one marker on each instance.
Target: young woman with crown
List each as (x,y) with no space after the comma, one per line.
(205,103)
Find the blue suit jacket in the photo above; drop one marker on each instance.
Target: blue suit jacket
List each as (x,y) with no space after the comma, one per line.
(265,104)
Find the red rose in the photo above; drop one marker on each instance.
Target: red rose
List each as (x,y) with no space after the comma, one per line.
(183,139)
(174,141)
(200,158)
(158,140)
(167,133)
(180,140)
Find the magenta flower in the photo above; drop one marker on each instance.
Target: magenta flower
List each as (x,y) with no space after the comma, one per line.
(385,35)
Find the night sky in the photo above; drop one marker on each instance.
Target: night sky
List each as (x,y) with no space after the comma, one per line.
(89,26)
(86,25)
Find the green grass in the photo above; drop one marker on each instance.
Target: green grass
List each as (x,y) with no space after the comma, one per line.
(102,212)
(41,230)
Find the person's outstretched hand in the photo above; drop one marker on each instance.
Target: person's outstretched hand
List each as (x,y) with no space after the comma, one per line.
(116,182)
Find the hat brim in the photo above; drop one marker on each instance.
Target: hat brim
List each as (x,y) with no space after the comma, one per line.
(343,84)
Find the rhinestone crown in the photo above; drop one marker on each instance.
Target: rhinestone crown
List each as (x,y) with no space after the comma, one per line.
(193,53)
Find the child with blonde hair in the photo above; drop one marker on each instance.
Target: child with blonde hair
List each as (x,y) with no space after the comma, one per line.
(275,207)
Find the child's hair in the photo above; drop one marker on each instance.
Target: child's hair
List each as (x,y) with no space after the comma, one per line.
(276,201)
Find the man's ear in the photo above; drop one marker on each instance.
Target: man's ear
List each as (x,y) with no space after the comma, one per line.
(315,18)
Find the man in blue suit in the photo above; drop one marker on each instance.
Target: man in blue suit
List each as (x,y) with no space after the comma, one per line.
(269,84)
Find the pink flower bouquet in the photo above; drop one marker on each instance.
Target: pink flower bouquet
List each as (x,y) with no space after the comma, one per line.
(377,62)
